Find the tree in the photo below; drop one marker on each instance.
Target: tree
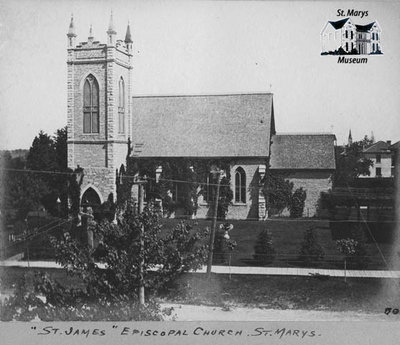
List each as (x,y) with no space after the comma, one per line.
(49,154)
(264,251)
(42,155)
(133,252)
(350,163)
(310,251)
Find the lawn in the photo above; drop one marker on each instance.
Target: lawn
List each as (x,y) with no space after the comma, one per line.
(288,292)
(287,236)
(270,292)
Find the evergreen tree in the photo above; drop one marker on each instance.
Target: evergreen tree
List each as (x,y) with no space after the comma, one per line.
(264,252)
(310,251)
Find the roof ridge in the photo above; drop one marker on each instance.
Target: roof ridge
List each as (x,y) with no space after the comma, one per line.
(304,133)
(203,94)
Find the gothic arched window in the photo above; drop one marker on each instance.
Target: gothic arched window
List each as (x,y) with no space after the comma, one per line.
(121,106)
(240,185)
(91,105)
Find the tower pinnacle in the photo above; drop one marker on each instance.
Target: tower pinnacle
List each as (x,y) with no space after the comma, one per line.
(111,33)
(128,36)
(71,33)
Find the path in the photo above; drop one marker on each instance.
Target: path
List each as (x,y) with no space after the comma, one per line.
(286,271)
(187,312)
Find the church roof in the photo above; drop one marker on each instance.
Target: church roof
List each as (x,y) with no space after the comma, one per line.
(303,151)
(233,125)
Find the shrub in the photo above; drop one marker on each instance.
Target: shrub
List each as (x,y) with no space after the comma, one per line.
(297,202)
(354,249)
(223,244)
(264,250)
(310,251)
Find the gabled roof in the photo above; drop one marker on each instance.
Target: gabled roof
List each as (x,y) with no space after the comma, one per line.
(234,125)
(339,24)
(365,28)
(395,146)
(303,151)
(378,147)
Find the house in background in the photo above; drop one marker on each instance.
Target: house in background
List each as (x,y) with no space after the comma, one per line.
(383,159)
(366,39)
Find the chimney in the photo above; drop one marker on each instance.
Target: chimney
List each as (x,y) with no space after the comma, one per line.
(389,142)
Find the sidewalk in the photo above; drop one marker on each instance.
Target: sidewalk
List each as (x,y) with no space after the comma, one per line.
(286,271)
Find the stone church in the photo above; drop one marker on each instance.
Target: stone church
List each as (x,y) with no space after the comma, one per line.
(103,117)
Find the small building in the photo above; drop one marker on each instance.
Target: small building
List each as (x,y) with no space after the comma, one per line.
(383,159)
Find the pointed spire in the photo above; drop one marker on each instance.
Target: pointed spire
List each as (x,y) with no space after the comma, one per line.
(350,139)
(111,29)
(91,37)
(128,36)
(71,30)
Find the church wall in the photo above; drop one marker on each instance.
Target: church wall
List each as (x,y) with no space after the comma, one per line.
(238,210)
(101,179)
(314,182)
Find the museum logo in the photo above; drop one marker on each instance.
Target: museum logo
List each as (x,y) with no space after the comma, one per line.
(344,37)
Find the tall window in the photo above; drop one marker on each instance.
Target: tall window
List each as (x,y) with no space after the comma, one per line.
(346,34)
(240,185)
(378,172)
(91,105)
(378,158)
(351,34)
(208,190)
(121,106)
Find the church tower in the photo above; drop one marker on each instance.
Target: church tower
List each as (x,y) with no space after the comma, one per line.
(99,109)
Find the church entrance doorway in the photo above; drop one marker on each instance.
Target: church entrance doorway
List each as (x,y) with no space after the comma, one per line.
(91,199)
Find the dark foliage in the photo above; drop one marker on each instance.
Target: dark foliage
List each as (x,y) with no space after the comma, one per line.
(350,163)
(264,252)
(179,185)
(310,251)
(277,191)
(296,206)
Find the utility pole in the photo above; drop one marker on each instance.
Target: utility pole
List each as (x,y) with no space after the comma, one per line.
(141,265)
(213,225)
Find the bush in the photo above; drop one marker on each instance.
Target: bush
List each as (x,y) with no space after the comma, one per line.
(310,251)
(223,244)
(297,201)
(354,249)
(264,250)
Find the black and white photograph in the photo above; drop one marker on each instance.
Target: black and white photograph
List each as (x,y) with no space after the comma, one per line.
(219,162)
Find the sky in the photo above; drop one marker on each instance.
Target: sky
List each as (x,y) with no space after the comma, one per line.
(205,47)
